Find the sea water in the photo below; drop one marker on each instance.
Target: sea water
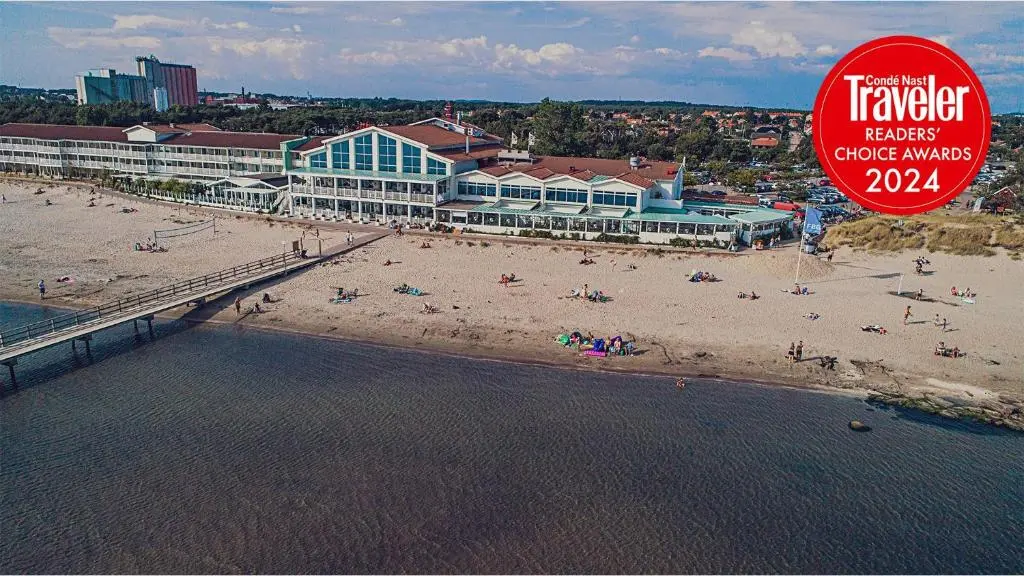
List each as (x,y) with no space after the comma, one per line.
(211,449)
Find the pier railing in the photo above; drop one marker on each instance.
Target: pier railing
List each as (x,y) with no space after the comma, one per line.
(133,304)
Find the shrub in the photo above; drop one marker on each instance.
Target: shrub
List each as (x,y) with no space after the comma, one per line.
(618,238)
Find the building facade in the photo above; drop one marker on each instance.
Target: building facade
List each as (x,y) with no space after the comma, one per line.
(437,170)
(106,85)
(178,80)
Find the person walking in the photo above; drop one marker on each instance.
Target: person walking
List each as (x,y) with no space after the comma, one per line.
(943,324)
(906,315)
(238,305)
(799,351)
(42,289)
(348,239)
(792,352)
(830,256)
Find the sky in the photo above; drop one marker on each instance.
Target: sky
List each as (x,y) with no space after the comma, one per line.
(771,54)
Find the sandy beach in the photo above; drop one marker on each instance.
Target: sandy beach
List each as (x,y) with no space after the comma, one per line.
(681,327)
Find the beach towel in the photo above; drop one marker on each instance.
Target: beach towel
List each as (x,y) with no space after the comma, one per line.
(600,353)
(599,344)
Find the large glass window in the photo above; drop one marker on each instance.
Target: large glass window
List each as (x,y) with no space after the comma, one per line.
(436,167)
(318,160)
(410,159)
(520,192)
(339,155)
(477,189)
(566,195)
(615,199)
(364,152)
(387,154)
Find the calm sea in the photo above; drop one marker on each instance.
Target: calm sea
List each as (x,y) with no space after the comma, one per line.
(214,449)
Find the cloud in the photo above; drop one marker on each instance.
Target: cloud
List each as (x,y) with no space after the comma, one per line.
(296,10)
(575,23)
(730,54)
(768,42)
(987,54)
(396,22)
(826,50)
(668,52)
(137,21)
(635,39)
(944,40)
(79,38)
(207,23)
(552,57)
(459,50)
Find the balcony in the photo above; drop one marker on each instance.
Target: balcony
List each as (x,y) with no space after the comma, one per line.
(372,194)
(397,196)
(423,198)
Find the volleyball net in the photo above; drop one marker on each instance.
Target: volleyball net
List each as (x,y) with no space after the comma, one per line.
(196,228)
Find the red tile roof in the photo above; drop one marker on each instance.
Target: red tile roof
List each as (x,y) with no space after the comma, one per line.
(475,153)
(215,139)
(61,132)
(200,127)
(256,140)
(496,170)
(313,143)
(652,170)
(765,141)
(434,136)
(635,178)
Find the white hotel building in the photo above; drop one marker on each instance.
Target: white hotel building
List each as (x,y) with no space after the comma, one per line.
(431,171)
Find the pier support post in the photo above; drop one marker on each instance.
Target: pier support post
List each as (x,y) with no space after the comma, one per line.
(10,368)
(86,338)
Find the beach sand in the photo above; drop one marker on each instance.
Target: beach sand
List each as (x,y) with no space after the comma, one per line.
(681,327)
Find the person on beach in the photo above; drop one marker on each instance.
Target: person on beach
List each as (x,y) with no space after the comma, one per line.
(829,259)
(42,289)
(943,324)
(238,305)
(799,351)
(792,352)
(348,239)
(937,322)
(906,315)
(3,198)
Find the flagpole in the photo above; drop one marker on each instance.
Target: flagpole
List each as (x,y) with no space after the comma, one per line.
(800,249)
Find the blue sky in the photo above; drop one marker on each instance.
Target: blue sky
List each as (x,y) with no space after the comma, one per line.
(770,54)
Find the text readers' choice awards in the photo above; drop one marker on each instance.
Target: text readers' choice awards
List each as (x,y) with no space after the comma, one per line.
(901,125)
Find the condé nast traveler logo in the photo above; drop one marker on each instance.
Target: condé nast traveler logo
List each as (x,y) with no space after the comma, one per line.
(901,125)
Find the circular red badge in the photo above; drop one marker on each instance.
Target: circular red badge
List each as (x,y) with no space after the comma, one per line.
(901,125)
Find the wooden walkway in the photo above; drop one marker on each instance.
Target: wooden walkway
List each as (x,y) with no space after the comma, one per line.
(79,326)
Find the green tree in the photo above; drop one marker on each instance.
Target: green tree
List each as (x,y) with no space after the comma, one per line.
(559,128)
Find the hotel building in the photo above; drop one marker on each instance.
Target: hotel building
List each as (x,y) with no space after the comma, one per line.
(437,170)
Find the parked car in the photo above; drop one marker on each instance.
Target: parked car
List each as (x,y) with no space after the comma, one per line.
(718,193)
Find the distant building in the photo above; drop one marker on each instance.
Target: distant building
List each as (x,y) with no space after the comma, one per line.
(106,85)
(160,99)
(157,84)
(179,80)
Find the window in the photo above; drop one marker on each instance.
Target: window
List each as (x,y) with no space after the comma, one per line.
(436,167)
(477,189)
(318,160)
(615,199)
(520,192)
(339,155)
(566,195)
(410,159)
(364,152)
(387,154)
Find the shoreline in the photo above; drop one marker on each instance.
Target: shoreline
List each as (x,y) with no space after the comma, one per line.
(695,330)
(872,397)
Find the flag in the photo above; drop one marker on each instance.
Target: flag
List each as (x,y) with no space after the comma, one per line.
(515,139)
(812,221)
(530,140)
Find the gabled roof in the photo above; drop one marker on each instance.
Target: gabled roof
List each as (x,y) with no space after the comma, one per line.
(312,144)
(64,132)
(213,139)
(434,136)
